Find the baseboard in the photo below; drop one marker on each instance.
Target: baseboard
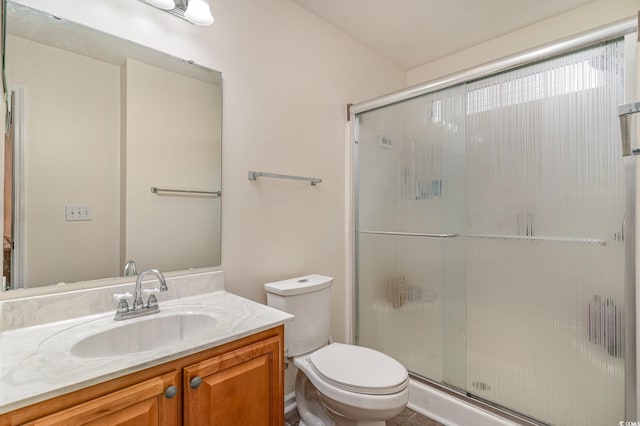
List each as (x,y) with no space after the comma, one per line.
(289,402)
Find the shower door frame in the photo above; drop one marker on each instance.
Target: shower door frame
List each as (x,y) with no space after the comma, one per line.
(630,164)
(627,28)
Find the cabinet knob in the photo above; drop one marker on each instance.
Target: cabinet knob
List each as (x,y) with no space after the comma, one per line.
(170,392)
(195,382)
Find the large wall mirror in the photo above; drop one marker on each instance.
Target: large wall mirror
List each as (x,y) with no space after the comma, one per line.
(96,123)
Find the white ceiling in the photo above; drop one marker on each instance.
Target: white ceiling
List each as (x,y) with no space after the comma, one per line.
(414,32)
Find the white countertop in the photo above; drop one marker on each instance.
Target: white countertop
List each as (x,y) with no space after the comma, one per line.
(36,364)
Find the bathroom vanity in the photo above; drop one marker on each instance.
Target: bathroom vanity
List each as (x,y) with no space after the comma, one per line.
(241,380)
(77,370)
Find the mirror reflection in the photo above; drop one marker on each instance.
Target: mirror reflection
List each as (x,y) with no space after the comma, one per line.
(96,122)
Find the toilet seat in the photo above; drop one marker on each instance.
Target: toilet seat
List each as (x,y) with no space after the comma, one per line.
(395,395)
(359,369)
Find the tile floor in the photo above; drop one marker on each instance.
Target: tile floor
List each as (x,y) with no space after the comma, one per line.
(407,418)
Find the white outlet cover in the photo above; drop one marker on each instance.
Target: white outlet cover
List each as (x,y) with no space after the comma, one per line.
(78,213)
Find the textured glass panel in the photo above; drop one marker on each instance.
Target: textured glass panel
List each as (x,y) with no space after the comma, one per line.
(545,260)
(411,180)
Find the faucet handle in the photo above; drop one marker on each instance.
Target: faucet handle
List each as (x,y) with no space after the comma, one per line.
(152,302)
(123,296)
(123,306)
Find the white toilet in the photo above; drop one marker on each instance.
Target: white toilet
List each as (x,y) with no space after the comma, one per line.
(336,384)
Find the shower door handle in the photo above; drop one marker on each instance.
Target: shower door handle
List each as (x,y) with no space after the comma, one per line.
(625,113)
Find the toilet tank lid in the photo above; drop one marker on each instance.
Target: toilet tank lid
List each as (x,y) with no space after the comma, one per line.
(299,285)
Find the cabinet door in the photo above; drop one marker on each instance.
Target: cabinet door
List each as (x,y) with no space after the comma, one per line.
(144,404)
(241,387)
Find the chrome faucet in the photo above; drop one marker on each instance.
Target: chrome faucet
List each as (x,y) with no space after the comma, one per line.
(130,269)
(139,308)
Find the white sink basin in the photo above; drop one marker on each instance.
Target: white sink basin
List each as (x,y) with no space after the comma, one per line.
(145,334)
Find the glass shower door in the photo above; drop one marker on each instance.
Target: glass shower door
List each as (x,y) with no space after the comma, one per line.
(410,223)
(545,250)
(490,240)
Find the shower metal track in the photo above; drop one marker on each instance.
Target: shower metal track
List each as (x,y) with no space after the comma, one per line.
(569,44)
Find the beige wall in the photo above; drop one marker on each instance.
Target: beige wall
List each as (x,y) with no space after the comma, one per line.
(285,107)
(172,140)
(57,172)
(575,21)
(287,77)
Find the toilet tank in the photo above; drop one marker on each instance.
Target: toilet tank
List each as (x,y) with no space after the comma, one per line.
(309,299)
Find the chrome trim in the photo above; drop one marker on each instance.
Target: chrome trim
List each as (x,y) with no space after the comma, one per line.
(630,294)
(630,108)
(569,44)
(254,175)
(356,237)
(130,269)
(410,234)
(156,190)
(552,239)
(627,126)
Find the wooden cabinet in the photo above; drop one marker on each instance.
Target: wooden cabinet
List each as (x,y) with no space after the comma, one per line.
(141,404)
(236,388)
(239,383)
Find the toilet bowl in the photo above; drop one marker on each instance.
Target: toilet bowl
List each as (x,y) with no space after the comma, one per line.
(355,385)
(336,384)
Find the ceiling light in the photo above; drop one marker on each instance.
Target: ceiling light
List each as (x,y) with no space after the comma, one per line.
(198,12)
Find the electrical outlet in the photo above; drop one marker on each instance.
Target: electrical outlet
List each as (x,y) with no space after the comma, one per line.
(78,213)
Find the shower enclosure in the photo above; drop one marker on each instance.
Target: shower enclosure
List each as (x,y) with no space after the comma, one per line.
(490,235)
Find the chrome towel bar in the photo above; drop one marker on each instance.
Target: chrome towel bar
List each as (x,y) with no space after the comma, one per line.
(254,175)
(156,190)
(552,239)
(410,234)
(494,237)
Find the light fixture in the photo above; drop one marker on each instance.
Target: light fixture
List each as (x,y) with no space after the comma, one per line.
(163,4)
(197,12)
